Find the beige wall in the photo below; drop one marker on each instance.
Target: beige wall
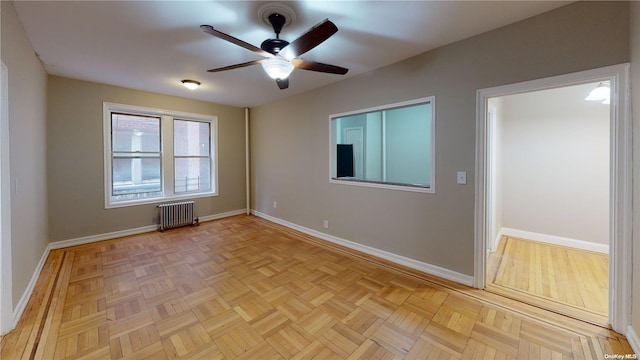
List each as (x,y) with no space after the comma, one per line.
(76,158)
(290,138)
(635,103)
(27,87)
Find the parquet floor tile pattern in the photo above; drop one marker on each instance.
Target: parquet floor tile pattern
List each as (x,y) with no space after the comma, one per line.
(245,288)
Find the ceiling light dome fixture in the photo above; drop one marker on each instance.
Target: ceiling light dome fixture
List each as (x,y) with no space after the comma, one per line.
(277,67)
(191,84)
(600,93)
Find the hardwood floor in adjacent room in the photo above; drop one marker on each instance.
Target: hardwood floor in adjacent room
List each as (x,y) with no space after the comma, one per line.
(567,280)
(245,288)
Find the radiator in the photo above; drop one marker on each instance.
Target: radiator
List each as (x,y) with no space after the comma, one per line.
(177,214)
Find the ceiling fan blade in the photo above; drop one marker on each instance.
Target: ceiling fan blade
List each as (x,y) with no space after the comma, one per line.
(307,41)
(320,67)
(219,34)
(237,66)
(282,83)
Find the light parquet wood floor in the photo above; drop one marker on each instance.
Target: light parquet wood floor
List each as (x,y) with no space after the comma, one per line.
(567,280)
(245,288)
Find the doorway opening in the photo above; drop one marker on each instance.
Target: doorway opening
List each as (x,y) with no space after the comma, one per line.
(548,171)
(553,178)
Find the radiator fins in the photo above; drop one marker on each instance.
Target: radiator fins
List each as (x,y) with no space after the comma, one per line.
(177,214)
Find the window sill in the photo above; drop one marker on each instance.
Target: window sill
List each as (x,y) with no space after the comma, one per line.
(383,185)
(158,200)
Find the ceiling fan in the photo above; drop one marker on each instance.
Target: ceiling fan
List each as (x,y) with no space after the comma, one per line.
(281,56)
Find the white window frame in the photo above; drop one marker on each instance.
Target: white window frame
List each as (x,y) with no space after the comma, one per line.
(431,189)
(166,153)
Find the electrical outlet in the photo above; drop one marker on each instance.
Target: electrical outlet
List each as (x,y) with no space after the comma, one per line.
(326,224)
(275,204)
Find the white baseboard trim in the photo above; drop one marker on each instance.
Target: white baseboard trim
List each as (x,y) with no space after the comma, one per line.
(223,215)
(555,240)
(26,295)
(121,233)
(496,241)
(24,300)
(106,236)
(634,340)
(398,259)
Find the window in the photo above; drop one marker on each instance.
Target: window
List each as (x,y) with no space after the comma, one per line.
(135,154)
(154,155)
(192,156)
(390,146)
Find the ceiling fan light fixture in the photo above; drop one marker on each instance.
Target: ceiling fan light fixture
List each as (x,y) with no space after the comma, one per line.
(191,84)
(277,67)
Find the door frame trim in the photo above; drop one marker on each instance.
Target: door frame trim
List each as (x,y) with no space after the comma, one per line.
(6,294)
(362,150)
(620,207)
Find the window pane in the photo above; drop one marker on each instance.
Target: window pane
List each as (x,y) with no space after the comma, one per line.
(136,176)
(192,174)
(385,146)
(408,149)
(191,138)
(133,133)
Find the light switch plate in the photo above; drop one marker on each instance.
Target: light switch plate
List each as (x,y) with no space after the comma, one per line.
(461,177)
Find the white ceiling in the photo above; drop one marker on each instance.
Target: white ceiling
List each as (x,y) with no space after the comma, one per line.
(152,45)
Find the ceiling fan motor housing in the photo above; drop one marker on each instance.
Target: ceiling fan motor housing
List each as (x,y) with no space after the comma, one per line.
(273,45)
